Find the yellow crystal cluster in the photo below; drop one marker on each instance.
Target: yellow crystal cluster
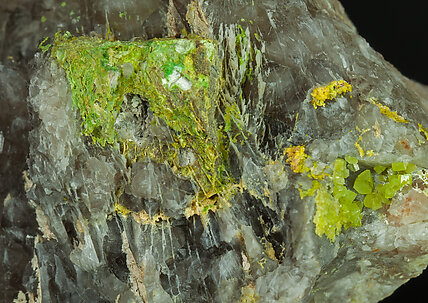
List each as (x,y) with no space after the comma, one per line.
(385,110)
(329,92)
(296,158)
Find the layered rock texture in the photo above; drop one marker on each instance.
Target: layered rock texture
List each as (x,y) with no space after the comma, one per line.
(217,151)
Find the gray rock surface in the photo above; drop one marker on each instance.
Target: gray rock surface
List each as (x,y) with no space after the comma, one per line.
(115,229)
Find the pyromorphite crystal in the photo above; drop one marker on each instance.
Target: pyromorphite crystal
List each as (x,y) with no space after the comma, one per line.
(340,172)
(351,214)
(398,166)
(351,160)
(411,168)
(326,219)
(349,211)
(343,194)
(337,210)
(379,168)
(364,182)
(395,183)
(403,167)
(374,200)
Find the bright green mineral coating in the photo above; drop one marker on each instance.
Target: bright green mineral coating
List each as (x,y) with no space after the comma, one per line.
(178,77)
(172,74)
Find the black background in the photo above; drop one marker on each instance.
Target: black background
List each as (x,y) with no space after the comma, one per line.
(396,29)
(399,31)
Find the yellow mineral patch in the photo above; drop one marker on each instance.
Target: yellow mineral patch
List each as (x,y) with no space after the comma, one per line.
(311,191)
(385,110)
(317,172)
(329,92)
(360,138)
(370,153)
(423,130)
(249,294)
(296,157)
(358,146)
(376,129)
(121,209)
(270,252)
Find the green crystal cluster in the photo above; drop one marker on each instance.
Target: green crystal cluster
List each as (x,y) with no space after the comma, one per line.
(374,187)
(338,208)
(389,182)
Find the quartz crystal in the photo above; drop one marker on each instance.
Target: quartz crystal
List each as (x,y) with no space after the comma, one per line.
(215,151)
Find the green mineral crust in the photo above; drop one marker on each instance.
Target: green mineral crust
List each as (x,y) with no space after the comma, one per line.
(172,74)
(179,78)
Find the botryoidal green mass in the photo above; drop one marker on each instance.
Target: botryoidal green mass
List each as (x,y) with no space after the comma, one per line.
(181,81)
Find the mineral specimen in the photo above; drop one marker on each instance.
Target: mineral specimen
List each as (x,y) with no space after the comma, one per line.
(273,157)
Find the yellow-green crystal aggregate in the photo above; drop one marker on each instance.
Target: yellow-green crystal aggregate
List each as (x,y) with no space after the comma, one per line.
(379,168)
(338,209)
(336,204)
